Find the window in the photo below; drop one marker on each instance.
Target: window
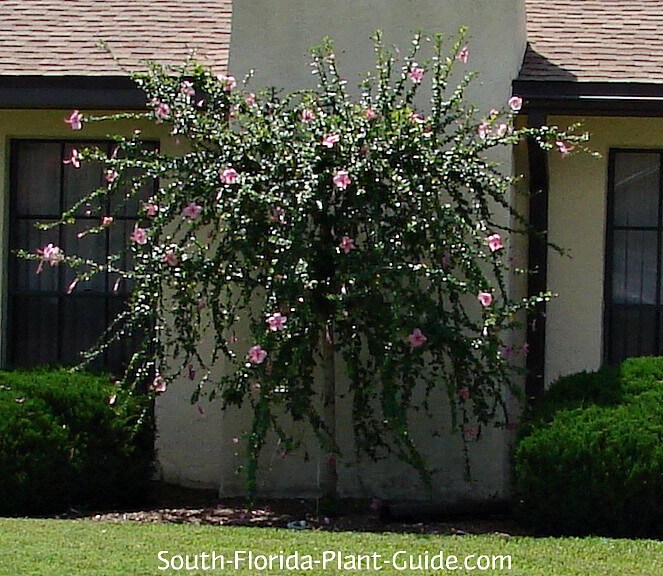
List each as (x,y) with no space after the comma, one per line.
(46,325)
(634,299)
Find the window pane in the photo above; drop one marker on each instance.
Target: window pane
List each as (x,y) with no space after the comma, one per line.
(79,182)
(35,331)
(90,247)
(84,317)
(26,236)
(635,267)
(637,185)
(633,333)
(37,178)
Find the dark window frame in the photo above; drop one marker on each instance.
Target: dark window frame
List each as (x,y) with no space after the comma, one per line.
(112,299)
(610,229)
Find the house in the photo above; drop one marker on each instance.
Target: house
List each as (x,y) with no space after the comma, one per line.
(598,62)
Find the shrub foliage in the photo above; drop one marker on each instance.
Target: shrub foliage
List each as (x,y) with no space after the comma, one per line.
(592,460)
(70,439)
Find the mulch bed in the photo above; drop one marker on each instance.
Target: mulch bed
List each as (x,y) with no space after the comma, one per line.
(178,506)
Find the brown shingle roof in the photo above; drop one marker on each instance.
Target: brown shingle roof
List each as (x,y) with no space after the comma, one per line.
(61,37)
(594,41)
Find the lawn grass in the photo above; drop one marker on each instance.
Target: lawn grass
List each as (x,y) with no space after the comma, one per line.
(89,548)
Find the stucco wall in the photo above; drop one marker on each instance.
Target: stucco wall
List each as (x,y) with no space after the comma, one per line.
(578,200)
(273,37)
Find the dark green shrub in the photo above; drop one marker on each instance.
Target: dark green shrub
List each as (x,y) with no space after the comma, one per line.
(592,459)
(63,444)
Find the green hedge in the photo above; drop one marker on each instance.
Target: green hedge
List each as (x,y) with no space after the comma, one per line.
(591,460)
(63,444)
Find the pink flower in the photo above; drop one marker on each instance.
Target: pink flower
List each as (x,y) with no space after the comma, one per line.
(494,113)
(515,103)
(75,120)
(51,255)
(139,236)
(170,258)
(106,221)
(250,99)
(229,175)
(417,338)
(151,209)
(161,109)
(235,440)
(341,179)
(277,322)
(417,118)
(255,387)
(228,80)
(416,73)
(277,215)
(502,130)
(111,176)
(370,114)
(347,244)
(464,393)
(308,114)
(72,285)
(158,384)
(256,354)
(494,242)
(483,130)
(464,55)
(329,140)
(74,158)
(486,299)
(192,211)
(187,88)
(564,148)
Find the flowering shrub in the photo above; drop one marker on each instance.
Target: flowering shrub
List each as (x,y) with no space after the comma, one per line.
(328,228)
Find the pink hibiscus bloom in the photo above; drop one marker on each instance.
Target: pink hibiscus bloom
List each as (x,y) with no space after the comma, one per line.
(170,258)
(515,103)
(416,73)
(51,255)
(106,221)
(74,158)
(341,179)
(161,109)
(277,322)
(139,236)
(417,118)
(250,99)
(277,215)
(483,130)
(111,176)
(151,209)
(417,338)
(187,88)
(75,120)
(464,54)
(256,354)
(502,130)
(158,384)
(308,114)
(486,299)
(228,80)
(329,140)
(229,175)
(192,211)
(370,114)
(494,242)
(347,244)
(564,148)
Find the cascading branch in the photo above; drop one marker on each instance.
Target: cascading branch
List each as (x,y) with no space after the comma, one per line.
(302,230)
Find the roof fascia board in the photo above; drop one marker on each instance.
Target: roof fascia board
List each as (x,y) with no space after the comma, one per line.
(63,92)
(591,98)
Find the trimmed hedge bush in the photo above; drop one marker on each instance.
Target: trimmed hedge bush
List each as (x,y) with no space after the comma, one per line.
(591,460)
(64,444)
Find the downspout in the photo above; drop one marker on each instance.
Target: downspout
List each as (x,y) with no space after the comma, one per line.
(537,281)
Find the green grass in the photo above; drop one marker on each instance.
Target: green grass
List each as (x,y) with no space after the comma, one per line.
(88,548)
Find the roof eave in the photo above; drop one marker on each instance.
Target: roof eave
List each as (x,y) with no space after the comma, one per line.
(590,98)
(63,92)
